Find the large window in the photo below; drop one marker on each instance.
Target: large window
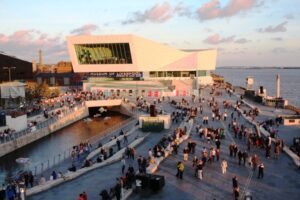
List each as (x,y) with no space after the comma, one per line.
(108,53)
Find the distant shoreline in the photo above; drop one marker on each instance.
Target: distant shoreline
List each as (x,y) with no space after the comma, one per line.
(257,67)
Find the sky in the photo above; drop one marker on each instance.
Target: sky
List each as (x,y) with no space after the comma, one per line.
(245,32)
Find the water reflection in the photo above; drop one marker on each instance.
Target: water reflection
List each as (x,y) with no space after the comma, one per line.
(50,146)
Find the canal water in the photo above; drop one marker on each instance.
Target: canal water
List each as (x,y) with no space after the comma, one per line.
(55,143)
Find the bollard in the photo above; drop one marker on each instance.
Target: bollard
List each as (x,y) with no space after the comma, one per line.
(59,158)
(48,164)
(53,160)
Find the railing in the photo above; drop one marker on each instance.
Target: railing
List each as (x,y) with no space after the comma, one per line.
(49,163)
(293,108)
(39,126)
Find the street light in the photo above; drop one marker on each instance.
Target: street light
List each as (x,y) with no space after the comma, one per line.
(9,72)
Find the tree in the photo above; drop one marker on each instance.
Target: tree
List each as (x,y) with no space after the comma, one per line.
(37,91)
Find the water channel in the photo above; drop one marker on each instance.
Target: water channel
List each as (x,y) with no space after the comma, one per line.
(56,143)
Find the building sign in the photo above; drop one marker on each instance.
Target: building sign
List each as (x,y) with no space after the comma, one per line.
(117,75)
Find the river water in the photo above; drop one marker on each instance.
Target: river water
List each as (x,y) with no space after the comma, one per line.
(55,143)
(289,85)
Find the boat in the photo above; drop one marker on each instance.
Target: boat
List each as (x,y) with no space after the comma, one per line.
(22,160)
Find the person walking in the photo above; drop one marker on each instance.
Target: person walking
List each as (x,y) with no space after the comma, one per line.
(224,166)
(261,171)
(235,186)
(200,170)
(180,169)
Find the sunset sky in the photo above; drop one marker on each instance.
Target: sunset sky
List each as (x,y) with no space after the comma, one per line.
(245,32)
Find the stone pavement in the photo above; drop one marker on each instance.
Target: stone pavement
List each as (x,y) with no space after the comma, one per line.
(104,178)
(287,133)
(281,179)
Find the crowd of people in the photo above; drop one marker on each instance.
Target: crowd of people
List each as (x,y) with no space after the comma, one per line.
(208,134)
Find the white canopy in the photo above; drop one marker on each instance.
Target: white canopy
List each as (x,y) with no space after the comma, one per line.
(12,90)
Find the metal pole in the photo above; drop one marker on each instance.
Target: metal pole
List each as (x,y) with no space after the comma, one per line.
(9,72)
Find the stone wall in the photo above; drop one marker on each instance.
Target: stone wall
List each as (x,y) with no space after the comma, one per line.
(66,120)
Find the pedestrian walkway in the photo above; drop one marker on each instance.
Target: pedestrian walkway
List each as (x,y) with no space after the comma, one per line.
(281,179)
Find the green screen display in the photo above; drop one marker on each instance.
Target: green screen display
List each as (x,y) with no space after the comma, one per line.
(105,53)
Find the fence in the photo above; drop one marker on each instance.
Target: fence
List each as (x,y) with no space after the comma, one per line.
(39,126)
(50,163)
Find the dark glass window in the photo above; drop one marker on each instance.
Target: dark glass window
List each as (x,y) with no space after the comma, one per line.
(105,53)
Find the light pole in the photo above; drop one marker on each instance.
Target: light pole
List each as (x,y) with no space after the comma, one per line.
(9,72)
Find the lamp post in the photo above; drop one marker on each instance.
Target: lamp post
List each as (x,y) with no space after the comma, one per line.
(9,72)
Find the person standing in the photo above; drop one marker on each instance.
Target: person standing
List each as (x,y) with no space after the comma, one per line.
(118,190)
(261,171)
(195,161)
(185,154)
(235,150)
(231,150)
(180,169)
(118,144)
(125,141)
(254,161)
(240,156)
(224,166)
(84,196)
(123,164)
(218,154)
(2,192)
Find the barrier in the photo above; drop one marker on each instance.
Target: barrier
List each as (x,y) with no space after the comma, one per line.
(109,144)
(261,131)
(73,175)
(153,167)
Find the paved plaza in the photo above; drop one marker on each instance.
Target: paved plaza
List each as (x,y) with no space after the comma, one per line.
(281,180)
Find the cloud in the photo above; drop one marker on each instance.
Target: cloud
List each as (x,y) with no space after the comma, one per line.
(242,41)
(26,43)
(289,16)
(216,39)
(213,9)
(279,50)
(87,29)
(274,29)
(159,13)
(277,38)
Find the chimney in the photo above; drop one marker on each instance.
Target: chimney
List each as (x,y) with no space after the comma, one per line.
(278,86)
(34,66)
(40,58)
